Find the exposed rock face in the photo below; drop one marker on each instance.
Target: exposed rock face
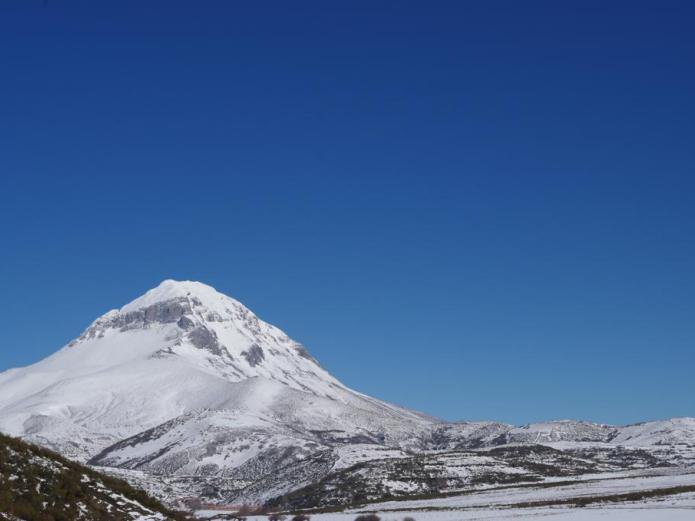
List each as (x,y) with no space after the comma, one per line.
(160,313)
(185,323)
(206,339)
(254,355)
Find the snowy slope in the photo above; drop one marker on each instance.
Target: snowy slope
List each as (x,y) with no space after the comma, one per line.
(212,441)
(184,351)
(676,431)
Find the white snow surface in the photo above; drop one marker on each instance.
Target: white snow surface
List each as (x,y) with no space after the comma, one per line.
(173,289)
(181,347)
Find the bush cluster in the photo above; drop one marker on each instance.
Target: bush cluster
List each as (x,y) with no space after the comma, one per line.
(37,484)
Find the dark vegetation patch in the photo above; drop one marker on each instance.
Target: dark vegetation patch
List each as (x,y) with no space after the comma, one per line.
(37,484)
(583,501)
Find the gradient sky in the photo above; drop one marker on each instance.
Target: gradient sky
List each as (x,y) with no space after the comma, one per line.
(481,210)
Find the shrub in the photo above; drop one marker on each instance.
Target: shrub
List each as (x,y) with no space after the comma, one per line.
(368,517)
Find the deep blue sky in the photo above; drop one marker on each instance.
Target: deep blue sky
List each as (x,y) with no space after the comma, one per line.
(482,210)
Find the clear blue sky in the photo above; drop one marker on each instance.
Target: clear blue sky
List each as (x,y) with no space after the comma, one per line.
(482,210)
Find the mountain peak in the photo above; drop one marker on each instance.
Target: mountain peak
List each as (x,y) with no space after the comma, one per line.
(182,346)
(191,323)
(176,289)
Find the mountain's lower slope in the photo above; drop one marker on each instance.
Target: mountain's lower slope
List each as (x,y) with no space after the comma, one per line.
(39,485)
(267,422)
(224,457)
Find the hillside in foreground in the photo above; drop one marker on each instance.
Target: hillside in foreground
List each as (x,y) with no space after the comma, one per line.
(39,485)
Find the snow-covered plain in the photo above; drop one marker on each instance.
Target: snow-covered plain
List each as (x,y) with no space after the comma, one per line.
(675,510)
(506,502)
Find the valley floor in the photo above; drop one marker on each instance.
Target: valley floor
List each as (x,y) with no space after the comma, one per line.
(676,510)
(656,495)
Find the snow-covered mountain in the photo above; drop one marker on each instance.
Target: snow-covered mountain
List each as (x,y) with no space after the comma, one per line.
(676,431)
(185,381)
(179,349)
